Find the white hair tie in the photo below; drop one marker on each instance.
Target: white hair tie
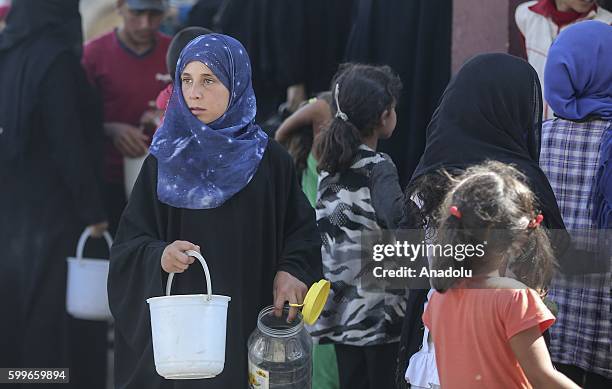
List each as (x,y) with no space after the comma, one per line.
(339,113)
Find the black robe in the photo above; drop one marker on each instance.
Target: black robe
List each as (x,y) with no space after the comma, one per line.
(266,227)
(414,38)
(48,126)
(49,194)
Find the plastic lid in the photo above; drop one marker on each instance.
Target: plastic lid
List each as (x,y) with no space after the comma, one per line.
(314,301)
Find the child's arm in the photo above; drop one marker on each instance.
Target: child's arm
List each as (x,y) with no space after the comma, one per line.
(530,350)
(305,116)
(300,118)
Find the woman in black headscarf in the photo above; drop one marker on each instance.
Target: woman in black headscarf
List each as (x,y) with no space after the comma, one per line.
(491,110)
(49,192)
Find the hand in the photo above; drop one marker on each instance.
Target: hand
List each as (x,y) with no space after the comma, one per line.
(174,259)
(296,94)
(129,140)
(288,288)
(97,230)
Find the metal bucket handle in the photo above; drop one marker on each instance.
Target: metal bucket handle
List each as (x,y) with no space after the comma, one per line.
(199,256)
(83,239)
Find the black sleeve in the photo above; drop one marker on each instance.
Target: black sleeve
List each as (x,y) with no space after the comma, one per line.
(135,269)
(386,193)
(301,254)
(65,136)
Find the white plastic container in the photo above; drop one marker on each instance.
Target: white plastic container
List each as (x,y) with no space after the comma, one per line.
(189,331)
(86,293)
(131,170)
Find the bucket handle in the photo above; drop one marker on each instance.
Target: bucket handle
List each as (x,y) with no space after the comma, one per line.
(84,236)
(199,256)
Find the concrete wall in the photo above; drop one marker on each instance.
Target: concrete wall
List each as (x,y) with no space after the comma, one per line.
(479,26)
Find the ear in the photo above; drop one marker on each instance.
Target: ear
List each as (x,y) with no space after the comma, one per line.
(384,117)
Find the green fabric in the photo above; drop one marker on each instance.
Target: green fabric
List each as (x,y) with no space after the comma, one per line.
(324,364)
(324,367)
(310,178)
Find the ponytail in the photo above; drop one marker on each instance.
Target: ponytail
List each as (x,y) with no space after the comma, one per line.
(336,147)
(535,263)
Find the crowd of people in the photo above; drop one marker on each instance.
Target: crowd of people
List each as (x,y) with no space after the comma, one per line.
(516,152)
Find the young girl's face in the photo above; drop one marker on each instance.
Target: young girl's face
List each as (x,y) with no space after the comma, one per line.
(205,95)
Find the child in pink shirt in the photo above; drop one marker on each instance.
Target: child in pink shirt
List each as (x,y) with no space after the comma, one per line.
(487,328)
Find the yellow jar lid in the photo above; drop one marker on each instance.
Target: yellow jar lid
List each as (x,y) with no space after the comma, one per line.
(314,302)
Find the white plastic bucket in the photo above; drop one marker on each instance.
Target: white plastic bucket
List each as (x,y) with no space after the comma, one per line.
(189,331)
(131,170)
(86,293)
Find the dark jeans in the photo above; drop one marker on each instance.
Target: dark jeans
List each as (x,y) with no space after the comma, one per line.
(367,367)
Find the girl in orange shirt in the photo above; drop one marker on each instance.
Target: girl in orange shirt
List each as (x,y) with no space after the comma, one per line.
(486,327)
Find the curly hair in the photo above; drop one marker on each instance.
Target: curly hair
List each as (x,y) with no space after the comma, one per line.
(496,206)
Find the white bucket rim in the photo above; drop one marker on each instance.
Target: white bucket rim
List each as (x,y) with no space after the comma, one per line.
(194,376)
(213,297)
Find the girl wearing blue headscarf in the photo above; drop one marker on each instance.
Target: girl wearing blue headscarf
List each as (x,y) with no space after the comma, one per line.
(576,156)
(214,183)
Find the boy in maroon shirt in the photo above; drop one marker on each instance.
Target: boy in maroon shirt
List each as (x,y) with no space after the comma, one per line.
(125,66)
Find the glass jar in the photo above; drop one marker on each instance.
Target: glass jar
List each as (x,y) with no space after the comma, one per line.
(280,353)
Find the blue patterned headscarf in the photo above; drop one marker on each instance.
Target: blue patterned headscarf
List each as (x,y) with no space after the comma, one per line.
(578,72)
(200,166)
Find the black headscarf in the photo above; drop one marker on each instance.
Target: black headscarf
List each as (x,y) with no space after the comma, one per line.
(491,110)
(36,33)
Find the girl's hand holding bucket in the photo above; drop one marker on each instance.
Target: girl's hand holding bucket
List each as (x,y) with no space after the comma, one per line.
(174,259)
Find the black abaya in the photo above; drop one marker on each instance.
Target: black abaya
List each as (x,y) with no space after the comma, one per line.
(266,227)
(49,123)
(49,195)
(414,38)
